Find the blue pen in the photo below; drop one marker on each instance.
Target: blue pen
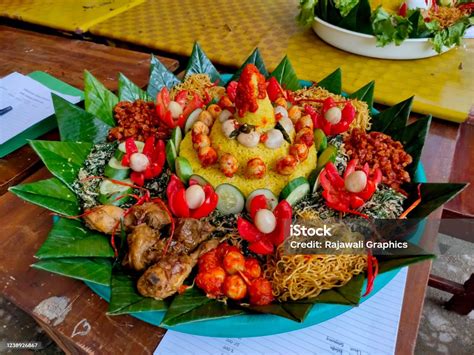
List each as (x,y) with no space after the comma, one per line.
(5,110)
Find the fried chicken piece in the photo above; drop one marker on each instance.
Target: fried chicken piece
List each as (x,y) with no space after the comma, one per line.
(104,218)
(149,213)
(144,247)
(188,234)
(165,277)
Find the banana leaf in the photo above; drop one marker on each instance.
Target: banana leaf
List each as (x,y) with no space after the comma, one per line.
(393,120)
(256,59)
(128,91)
(77,125)
(125,297)
(333,82)
(63,159)
(99,101)
(194,306)
(199,63)
(286,76)
(160,77)
(51,194)
(365,93)
(95,270)
(71,238)
(414,139)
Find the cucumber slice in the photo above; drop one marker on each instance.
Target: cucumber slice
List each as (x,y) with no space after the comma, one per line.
(115,170)
(120,152)
(320,140)
(109,192)
(295,191)
(199,179)
(271,198)
(231,200)
(176,137)
(193,117)
(171,154)
(183,169)
(313,180)
(328,155)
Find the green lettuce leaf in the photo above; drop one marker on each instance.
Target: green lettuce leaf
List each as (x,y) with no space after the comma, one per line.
(77,125)
(389,28)
(51,194)
(71,238)
(306,15)
(63,159)
(449,36)
(98,100)
(345,6)
(95,270)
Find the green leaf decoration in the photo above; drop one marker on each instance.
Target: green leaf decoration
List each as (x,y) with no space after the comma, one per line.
(433,196)
(365,93)
(414,139)
(193,306)
(125,298)
(98,100)
(128,91)
(77,125)
(387,263)
(199,63)
(183,303)
(286,76)
(333,82)
(71,238)
(160,77)
(63,159)
(256,59)
(51,194)
(278,309)
(95,270)
(393,120)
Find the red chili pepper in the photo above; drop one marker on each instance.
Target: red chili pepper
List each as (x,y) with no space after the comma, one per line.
(130,148)
(248,231)
(232,90)
(178,204)
(181,97)
(209,205)
(403,10)
(372,272)
(283,213)
(259,202)
(174,184)
(263,246)
(274,89)
(137,178)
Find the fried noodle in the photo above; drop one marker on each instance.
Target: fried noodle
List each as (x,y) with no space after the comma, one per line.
(199,83)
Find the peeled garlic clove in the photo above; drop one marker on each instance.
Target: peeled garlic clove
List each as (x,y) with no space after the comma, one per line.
(265,221)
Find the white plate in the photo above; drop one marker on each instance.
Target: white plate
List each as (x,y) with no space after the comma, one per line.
(360,43)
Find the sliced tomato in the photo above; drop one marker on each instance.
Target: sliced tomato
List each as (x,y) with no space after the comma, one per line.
(258,203)
(178,204)
(263,246)
(248,231)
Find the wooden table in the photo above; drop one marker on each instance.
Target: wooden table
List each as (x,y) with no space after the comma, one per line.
(65,59)
(86,328)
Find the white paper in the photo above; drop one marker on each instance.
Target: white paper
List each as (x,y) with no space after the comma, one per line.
(30,101)
(371,328)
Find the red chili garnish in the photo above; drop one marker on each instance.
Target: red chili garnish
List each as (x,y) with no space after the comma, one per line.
(348,114)
(247,93)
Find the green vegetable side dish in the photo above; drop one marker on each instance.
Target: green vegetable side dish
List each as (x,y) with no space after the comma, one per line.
(444,23)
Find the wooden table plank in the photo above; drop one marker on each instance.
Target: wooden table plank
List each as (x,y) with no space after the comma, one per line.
(66,59)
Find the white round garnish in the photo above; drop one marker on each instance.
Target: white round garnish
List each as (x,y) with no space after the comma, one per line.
(265,221)
(139,162)
(176,109)
(228,127)
(282,111)
(225,115)
(356,181)
(195,196)
(333,115)
(274,139)
(287,125)
(250,139)
(421,4)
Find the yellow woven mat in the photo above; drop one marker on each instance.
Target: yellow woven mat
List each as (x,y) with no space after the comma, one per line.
(68,15)
(228,31)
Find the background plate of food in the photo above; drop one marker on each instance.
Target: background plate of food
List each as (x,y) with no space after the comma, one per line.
(413,29)
(174,203)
